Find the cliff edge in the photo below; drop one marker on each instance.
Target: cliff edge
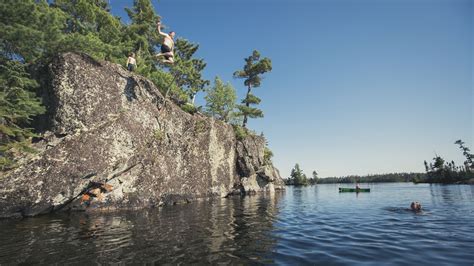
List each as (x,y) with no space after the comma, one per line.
(112,136)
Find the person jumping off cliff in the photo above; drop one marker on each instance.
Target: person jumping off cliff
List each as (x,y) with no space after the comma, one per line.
(168,45)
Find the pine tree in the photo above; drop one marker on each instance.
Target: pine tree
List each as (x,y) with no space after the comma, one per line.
(187,70)
(315,177)
(83,14)
(298,177)
(91,28)
(18,105)
(142,34)
(438,163)
(469,164)
(252,73)
(78,25)
(220,100)
(29,30)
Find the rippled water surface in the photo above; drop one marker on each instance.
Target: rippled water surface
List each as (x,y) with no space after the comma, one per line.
(312,225)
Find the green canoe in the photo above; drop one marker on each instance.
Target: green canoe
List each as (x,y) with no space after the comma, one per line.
(346,189)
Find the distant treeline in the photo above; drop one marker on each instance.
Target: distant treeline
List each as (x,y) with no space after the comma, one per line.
(392,177)
(298,178)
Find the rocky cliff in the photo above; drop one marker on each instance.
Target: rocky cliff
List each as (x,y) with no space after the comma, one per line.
(113,141)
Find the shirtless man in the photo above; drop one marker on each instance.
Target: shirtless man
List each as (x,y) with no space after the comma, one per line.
(167,46)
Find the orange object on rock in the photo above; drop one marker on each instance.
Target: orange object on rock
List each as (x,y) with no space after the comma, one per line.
(85,197)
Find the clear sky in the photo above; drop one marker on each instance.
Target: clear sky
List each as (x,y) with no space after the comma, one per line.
(357,87)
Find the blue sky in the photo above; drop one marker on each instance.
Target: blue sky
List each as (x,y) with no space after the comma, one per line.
(357,87)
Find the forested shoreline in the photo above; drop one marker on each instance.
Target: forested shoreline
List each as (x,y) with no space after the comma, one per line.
(376,178)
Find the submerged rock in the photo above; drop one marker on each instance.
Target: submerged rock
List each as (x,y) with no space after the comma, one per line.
(107,125)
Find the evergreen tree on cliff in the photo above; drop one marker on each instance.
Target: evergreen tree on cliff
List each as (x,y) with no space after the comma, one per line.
(220,100)
(90,28)
(187,70)
(252,74)
(18,105)
(142,34)
(29,30)
(84,15)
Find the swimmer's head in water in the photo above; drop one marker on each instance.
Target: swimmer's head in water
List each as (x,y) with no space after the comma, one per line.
(415,206)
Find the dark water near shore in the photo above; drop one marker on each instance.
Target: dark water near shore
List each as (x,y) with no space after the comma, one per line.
(312,225)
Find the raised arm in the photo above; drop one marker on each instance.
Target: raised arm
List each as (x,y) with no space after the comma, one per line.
(158,27)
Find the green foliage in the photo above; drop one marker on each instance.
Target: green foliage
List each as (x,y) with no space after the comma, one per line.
(314,179)
(165,83)
(141,34)
(297,177)
(252,74)
(251,112)
(18,105)
(189,108)
(240,132)
(469,164)
(267,155)
(159,135)
(187,70)
(441,172)
(30,30)
(251,99)
(220,100)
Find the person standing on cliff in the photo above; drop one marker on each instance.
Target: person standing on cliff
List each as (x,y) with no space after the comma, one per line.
(131,62)
(167,46)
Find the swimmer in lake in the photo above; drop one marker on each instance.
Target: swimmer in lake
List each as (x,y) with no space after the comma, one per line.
(415,206)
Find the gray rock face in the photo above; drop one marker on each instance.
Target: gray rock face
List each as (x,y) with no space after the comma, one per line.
(110,126)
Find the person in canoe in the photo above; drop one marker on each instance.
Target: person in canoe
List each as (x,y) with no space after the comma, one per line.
(168,45)
(415,206)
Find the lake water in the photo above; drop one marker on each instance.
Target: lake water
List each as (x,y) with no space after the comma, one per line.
(311,225)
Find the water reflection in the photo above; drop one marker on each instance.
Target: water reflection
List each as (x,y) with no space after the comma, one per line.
(220,231)
(451,193)
(312,225)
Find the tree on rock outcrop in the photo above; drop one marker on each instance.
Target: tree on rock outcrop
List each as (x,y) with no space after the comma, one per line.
(187,70)
(252,75)
(220,100)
